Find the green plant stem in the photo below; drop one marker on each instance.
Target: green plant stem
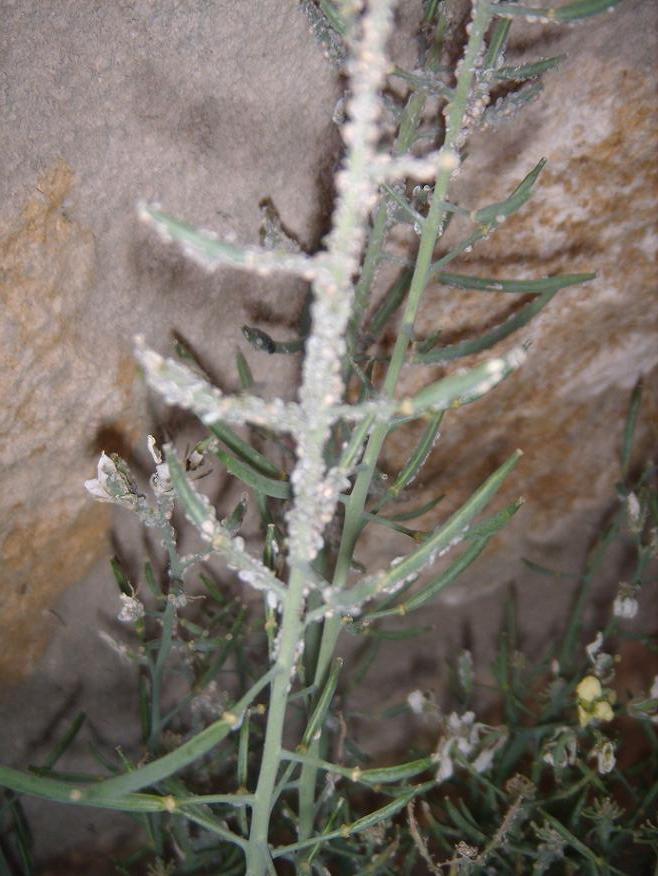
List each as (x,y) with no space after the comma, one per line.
(157,672)
(291,633)
(432,229)
(408,125)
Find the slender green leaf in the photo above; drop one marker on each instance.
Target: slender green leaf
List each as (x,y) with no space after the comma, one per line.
(354,446)
(389,304)
(171,763)
(361,824)
(212,589)
(453,531)
(522,287)
(424,82)
(495,523)
(244,451)
(415,534)
(65,742)
(244,372)
(629,428)
(22,835)
(508,106)
(418,457)
(203,815)
(120,577)
(334,17)
(466,245)
(456,526)
(401,635)
(316,721)
(477,345)
(522,72)
(573,841)
(412,513)
(261,483)
(462,387)
(272,547)
(429,591)
(65,792)
(243,765)
(197,507)
(575,11)
(379,776)
(542,570)
(471,831)
(494,213)
(208,250)
(151,581)
(234,521)
(165,645)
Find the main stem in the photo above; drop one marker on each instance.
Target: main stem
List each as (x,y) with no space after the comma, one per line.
(321,389)
(291,633)
(432,229)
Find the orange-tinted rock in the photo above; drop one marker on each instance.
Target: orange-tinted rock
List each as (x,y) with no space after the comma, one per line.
(49,534)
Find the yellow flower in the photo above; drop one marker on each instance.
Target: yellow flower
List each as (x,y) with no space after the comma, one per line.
(603,711)
(589,689)
(593,703)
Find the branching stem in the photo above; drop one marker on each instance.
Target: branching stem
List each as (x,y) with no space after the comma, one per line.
(432,229)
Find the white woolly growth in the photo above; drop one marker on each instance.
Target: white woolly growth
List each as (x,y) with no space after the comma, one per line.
(180,385)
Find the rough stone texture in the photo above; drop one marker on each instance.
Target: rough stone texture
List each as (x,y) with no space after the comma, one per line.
(48,536)
(594,210)
(210,108)
(200,105)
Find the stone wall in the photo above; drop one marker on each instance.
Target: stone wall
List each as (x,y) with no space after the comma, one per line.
(209,108)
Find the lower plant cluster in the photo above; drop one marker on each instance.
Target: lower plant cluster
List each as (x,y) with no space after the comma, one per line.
(561,779)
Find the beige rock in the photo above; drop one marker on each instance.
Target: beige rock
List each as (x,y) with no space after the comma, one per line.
(47,538)
(594,210)
(207,109)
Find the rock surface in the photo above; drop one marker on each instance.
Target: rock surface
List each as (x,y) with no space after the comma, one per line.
(209,110)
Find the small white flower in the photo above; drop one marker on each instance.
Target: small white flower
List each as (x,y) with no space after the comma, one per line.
(463,734)
(161,480)
(416,701)
(113,482)
(604,752)
(635,514)
(594,647)
(154,449)
(132,609)
(484,760)
(194,459)
(178,598)
(446,766)
(625,605)
(603,664)
(561,749)
(653,692)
